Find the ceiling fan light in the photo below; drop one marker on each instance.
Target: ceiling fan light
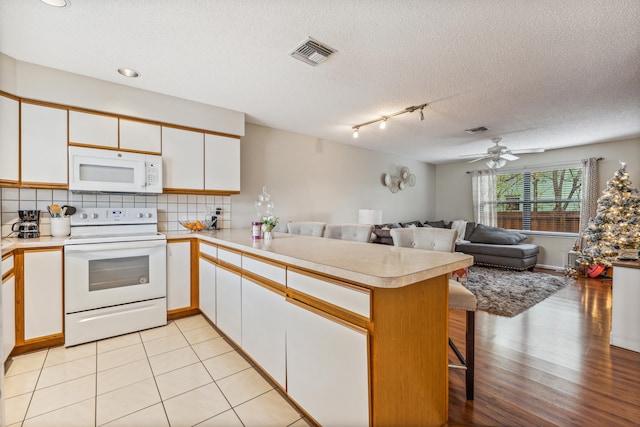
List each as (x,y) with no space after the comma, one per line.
(496,163)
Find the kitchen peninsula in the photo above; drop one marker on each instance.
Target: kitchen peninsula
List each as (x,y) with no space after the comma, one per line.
(354,333)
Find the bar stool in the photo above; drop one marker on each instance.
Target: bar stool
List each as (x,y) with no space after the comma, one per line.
(460,298)
(354,232)
(306,228)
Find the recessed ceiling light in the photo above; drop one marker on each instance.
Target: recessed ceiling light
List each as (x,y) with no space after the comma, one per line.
(128,72)
(57,3)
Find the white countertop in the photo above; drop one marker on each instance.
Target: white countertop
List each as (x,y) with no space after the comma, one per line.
(370,264)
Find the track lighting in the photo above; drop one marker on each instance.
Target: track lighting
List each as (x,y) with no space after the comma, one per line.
(383,119)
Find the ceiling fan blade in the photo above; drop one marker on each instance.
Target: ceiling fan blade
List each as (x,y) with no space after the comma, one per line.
(509,156)
(477,160)
(528,150)
(473,155)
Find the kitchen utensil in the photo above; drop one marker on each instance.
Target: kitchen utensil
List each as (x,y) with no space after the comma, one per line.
(50,212)
(69,210)
(55,210)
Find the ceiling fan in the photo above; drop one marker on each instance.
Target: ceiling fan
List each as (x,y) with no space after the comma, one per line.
(498,155)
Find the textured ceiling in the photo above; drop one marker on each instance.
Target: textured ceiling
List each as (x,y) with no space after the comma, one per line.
(543,74)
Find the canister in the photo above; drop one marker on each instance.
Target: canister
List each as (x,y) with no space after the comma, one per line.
(256,230)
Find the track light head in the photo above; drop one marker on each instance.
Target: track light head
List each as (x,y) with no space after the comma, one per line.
(383,124)
(422,114)
(355,133)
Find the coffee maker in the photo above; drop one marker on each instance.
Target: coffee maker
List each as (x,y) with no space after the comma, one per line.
(28,225)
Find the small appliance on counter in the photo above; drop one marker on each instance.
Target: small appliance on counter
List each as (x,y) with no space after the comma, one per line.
(28,225)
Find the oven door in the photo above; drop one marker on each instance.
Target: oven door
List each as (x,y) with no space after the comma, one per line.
(109,274)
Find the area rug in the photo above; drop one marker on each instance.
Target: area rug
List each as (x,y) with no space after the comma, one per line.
(509,293)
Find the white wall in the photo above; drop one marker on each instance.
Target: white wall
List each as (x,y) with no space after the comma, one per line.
(47,84)
(315,180)
(453,184)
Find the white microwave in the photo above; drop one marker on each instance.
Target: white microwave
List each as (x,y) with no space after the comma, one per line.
(109,171)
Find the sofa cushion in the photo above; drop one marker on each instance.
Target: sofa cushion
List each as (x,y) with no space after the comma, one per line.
(522,250)
(495,235)
(436,224)
(470,227)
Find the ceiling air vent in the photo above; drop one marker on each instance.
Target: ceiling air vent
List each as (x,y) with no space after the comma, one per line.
(312,52)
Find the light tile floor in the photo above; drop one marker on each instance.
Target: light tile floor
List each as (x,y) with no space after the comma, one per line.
(182,374)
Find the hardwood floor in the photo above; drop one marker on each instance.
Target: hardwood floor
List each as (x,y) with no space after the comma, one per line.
(549,366)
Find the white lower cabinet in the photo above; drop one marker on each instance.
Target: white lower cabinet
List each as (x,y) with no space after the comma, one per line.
(8,316)
(327,368)
(208,289)
(263,328)
(229,302)
(43,310)
(178,275)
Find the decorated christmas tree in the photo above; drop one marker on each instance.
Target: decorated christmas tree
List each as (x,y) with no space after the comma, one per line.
(616,227)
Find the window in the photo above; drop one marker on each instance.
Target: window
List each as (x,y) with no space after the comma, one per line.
(540,200)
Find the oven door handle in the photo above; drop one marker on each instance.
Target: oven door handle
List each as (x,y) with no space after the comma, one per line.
(115,246)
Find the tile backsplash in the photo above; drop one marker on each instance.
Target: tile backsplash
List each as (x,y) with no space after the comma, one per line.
(171,207)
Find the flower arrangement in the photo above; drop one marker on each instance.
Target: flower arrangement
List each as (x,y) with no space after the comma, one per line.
(269,222)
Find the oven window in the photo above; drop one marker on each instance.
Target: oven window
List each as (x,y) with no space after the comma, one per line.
(99,173)
(118,272)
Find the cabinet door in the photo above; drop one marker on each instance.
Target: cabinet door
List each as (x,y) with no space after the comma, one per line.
(208,289)
(43,145)
(222,163)
(263,328)
(43,311)
(327,371)
(182,157)
(9,139)
(228,303)
(93,129)
(140,136)
(8,316)
(178,275)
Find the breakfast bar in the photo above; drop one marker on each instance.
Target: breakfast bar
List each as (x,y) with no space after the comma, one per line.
(354,333)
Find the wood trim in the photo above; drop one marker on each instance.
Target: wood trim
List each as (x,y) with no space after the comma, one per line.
(8,275)
(203,192)
(18,265)
(195,274)
(8,183)
(44,104)
(208,258)
(330,309)
(182,312)
(11,271)
(208,132)
(229,267)
(54,340)
(265,260)
(327,316)
(276,287)
(9,95)
(54,186)
(102,147)
(411,326)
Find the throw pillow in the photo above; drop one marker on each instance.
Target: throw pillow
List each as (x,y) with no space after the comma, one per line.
(495,235)
(411,224)
(469,229)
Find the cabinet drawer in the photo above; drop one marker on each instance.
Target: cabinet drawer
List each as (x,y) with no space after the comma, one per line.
(267,270)
(208,249)
(7,264)
(230,257)
(341,295)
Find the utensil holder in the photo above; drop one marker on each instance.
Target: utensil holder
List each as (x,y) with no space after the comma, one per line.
(60,227)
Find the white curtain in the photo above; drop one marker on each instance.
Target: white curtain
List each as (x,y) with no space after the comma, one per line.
(483,186)
(590,194)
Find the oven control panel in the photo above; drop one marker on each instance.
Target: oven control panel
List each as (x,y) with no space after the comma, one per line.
(114,216)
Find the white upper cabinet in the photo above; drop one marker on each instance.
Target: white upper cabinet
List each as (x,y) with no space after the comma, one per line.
(93,129)
(222,163)
(9,139)
(140,136)
(182,157)
(43,145)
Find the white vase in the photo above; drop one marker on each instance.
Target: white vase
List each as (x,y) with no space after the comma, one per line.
(267,235)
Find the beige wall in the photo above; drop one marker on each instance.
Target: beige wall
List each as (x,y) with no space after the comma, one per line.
(453,189)
(311,179)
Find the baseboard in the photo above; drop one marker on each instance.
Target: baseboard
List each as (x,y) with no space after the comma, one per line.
(550,267)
